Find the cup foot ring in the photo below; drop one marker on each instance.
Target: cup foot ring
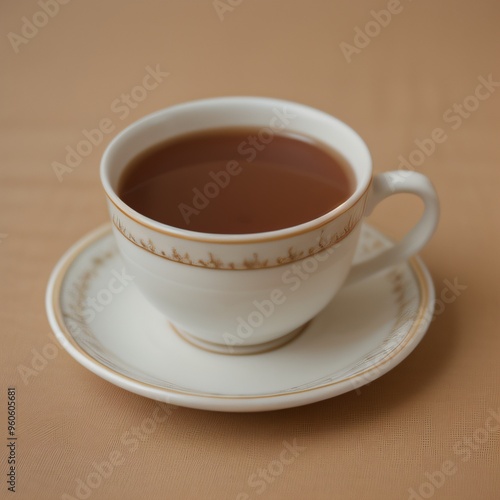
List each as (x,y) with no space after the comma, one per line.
(239,350)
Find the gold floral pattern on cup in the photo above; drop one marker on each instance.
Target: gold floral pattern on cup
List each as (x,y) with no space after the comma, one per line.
(211,261)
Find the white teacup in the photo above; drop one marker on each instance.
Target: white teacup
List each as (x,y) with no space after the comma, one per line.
(251,292)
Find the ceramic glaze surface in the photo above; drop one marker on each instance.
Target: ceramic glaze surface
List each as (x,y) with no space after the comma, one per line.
(364,332)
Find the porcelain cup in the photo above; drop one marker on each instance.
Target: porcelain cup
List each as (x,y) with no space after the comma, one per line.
(246,293)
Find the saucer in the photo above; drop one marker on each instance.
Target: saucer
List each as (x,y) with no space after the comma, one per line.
(103,321)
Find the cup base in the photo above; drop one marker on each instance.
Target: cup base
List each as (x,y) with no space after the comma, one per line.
(239,350)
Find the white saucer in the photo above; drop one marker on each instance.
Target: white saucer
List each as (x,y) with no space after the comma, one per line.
(363,333)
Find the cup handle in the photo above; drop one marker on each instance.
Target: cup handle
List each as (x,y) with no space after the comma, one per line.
(383,186)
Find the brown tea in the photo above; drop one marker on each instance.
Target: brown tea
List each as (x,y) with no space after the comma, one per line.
(236,181)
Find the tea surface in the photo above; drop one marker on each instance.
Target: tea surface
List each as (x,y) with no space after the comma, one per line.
(236,181)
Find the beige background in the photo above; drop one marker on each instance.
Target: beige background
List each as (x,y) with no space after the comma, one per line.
(376,444)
